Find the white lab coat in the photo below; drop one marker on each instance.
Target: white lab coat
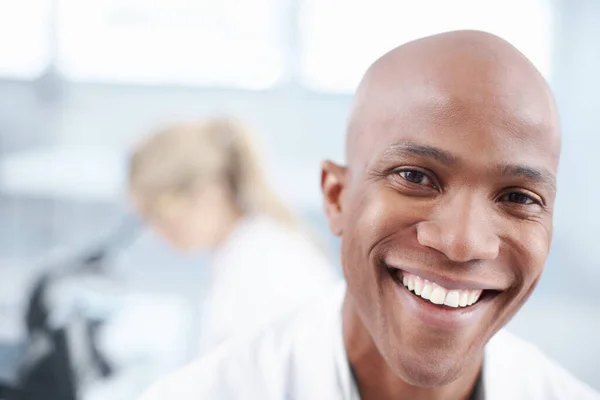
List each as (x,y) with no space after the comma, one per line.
(262,271)
(304,358)
(259,273)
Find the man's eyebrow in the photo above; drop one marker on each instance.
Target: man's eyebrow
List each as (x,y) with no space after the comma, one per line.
(539,176)
(406,148)
(535,175)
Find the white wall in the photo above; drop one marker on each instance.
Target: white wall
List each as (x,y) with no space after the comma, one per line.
(296,128)
(576,82)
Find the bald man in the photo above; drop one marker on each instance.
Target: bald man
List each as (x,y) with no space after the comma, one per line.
(444,210)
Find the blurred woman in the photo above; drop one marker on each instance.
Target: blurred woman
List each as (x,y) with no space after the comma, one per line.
(201,187)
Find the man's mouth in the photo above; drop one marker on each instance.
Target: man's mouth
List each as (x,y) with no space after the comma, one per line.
(441,301)
(439,295)
(435,293)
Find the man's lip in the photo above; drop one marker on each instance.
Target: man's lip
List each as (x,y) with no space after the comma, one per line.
(446,281)
(441,317)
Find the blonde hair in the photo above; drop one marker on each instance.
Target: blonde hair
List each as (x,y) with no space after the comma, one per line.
(180,158)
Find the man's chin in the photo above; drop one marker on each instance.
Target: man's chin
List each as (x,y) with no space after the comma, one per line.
(433,372)
(428,376)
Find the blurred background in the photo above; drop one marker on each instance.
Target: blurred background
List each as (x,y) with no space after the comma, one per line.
(81,81)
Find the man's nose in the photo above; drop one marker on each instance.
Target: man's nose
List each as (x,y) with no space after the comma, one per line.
(462,229)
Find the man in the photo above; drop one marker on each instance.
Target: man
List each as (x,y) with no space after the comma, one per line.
(445,214)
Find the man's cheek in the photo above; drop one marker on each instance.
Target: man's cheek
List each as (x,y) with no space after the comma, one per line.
(372,216)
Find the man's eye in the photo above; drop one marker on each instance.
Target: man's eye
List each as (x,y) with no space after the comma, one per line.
(416,177)
(520,198)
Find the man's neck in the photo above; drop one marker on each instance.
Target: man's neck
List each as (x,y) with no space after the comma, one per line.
(376,380)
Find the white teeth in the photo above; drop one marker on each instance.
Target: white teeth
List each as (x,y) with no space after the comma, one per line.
(474,296)
(452,298)
(439,295)
(418,286)
(427,289)
(464,298)
(471,298)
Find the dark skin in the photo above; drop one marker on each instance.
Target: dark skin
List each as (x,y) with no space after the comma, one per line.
(452,150)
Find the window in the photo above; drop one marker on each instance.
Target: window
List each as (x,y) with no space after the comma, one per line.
(204,42)
(341,38)
(24,38)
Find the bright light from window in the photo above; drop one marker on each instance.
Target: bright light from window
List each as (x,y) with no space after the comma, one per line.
(24,38)
(341,38)
(204,42)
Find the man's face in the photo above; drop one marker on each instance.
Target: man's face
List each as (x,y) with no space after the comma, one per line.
(453,199)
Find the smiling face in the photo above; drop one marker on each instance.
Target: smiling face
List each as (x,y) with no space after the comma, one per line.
(449,190)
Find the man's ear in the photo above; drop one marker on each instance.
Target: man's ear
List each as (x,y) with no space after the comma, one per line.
(333,183)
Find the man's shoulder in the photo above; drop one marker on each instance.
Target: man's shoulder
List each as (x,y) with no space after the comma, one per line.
(264,365)
(518,369)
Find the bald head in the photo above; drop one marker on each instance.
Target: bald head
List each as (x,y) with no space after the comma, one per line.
(454,75)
